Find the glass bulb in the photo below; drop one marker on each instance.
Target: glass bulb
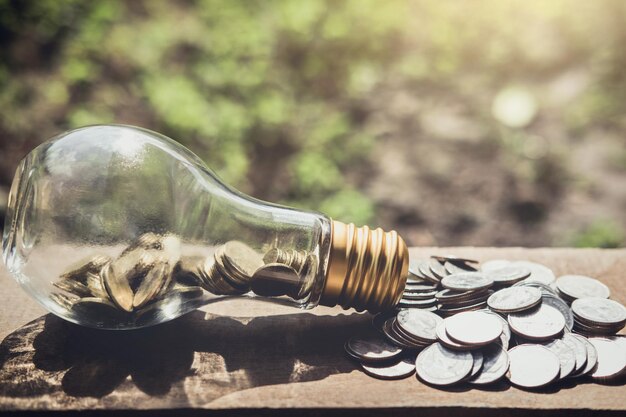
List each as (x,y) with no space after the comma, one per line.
(119,227)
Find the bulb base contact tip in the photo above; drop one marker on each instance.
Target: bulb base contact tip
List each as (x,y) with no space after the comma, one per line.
(367,268)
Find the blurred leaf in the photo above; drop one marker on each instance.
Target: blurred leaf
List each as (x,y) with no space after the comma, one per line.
(178,103)
(234,165)
(273,108)
(56,92)
(349,206)
(84,117)
(315,173)
(600,234)
(76,70)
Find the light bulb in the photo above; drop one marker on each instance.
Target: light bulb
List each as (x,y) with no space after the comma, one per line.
(119,227)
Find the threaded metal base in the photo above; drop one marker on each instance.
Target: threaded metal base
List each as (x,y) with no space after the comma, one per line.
(367,269)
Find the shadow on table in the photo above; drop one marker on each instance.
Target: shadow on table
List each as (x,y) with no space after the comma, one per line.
(52,357)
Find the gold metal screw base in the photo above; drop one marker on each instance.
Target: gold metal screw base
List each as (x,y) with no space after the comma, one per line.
(367,268)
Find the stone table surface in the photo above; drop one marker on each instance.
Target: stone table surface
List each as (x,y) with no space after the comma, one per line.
(252,358)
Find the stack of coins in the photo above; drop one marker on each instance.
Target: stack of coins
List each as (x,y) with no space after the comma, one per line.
(114,288)
(419,294)
(152,272)
(464,287)
(428,274)
(504,319)
(235,268)
(230,269)
(213,280)
(297,260)
(572,287)
(412,328)
(596,316)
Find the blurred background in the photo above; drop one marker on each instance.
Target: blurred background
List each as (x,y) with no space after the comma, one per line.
(456,123)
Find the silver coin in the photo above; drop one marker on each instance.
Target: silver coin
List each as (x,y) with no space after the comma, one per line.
(414,267)
(567,356)
(393,337)
(237,262)
(545,289)
(473,328)
(611,359)
(289,257)
(419,324)
(594,331)
(94,282)
(396,336)
(480,297)
(532,366)
(508,275)
(398,370)
(186,271)
(592,356)
(445,340)
(411,295)
(437,269)
(445,311)
(542,323)
(538,272)
(505,337)
(242,258)
(562,307)
(514,299)
(454,259)
(600,311)
(455,268)
(152,283)
(438,365)
(451,296)
(216,278)
(578,345)
(495,365)
(415,280)
(426,273)
(494,264)
(408,338)
(419,304)
(478,360)
(419,288)
(273,255)
(114,277)
(467,281)
(372,349)
(580,286)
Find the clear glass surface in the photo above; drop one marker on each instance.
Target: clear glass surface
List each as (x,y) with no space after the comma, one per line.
(119,227)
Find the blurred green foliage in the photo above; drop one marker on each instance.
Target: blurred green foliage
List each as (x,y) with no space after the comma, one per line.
(275,96)
(600,234)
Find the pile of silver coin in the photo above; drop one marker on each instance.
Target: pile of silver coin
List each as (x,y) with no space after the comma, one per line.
(152,270)
(461,322)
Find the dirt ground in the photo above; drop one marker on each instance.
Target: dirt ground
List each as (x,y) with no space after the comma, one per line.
(443,178)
